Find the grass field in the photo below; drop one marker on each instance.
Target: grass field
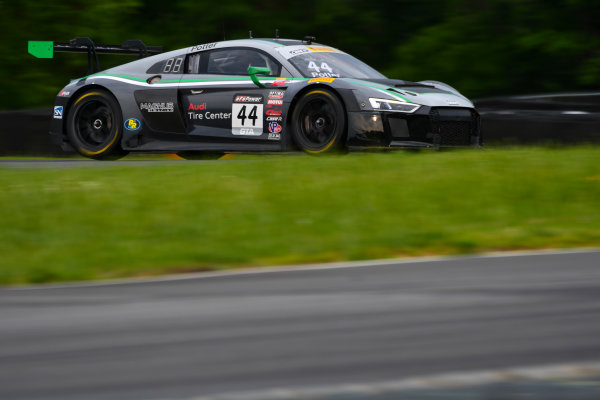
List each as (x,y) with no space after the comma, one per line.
(126,220)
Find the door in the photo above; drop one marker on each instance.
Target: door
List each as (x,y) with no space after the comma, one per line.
(219,100)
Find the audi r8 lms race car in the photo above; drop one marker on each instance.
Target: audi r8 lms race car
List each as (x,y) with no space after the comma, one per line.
(250,95)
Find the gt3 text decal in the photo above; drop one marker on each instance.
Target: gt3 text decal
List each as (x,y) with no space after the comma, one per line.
(247,115)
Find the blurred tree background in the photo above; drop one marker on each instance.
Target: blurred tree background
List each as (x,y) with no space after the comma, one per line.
(482,47)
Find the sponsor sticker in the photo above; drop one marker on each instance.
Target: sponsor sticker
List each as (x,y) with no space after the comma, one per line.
(64,93)
(293,51)
(203,47)
(273,113)
(274,119)
(279,83)
(246,119)
(197,107)
(58,112)
(274,136)
(208,115)
(247,132)
(272,102)
(132,124)
(322,49)
(248,99)
(301,50)
(274,127)
(247,115)
(276,94)
(321,79)
(157,107)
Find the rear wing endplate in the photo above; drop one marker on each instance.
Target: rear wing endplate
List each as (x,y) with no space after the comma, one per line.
(45,49)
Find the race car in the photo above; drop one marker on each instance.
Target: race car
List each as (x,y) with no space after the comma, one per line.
(250,95)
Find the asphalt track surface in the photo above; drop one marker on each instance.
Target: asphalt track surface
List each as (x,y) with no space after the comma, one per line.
(201,336)
(77,163)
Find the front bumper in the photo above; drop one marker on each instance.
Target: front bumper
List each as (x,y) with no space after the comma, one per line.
(429,127)
(57,131)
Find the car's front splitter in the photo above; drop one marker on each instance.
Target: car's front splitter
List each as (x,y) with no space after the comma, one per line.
(428,127)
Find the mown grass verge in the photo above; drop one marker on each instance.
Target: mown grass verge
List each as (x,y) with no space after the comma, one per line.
(90,223)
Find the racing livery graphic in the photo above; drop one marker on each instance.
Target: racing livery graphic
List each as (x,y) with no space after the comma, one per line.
(250,95)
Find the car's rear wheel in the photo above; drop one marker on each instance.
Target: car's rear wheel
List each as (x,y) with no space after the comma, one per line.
(94,125)
(318,122)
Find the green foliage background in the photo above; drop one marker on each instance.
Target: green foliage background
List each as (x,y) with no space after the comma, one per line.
(482,47)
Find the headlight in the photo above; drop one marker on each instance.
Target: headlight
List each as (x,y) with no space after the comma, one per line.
(393,105)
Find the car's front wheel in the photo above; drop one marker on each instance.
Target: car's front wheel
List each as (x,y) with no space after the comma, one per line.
(94,125)
(318,122)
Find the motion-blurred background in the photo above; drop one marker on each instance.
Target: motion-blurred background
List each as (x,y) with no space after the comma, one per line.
(73,220)
(482,47)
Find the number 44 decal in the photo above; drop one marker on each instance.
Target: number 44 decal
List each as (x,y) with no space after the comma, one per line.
(324,67)
(241,116)
(247,119)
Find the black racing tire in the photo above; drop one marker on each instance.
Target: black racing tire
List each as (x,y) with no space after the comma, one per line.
(318,122)
(200,155)
(95,125)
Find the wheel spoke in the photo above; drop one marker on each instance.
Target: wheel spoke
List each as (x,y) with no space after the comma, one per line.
(328,111)
(85,114)
(94,123)
(316,124)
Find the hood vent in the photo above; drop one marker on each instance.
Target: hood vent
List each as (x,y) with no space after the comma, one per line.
(412,84)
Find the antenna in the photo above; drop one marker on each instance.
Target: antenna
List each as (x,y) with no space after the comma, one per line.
(276,33)
(309,39)
(250,34)
(223,23)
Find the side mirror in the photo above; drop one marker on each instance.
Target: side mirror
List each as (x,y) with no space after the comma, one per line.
(254,71)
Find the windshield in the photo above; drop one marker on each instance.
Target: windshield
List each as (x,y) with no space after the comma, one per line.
(314,62)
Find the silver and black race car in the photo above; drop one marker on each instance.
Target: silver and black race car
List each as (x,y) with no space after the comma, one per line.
(251,95)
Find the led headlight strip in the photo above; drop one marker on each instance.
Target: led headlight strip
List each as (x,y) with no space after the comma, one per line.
(393,105)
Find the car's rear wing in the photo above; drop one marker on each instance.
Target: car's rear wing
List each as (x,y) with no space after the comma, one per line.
(45,49)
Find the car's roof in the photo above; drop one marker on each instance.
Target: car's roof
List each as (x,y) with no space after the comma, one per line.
(266,44)
(262,43)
